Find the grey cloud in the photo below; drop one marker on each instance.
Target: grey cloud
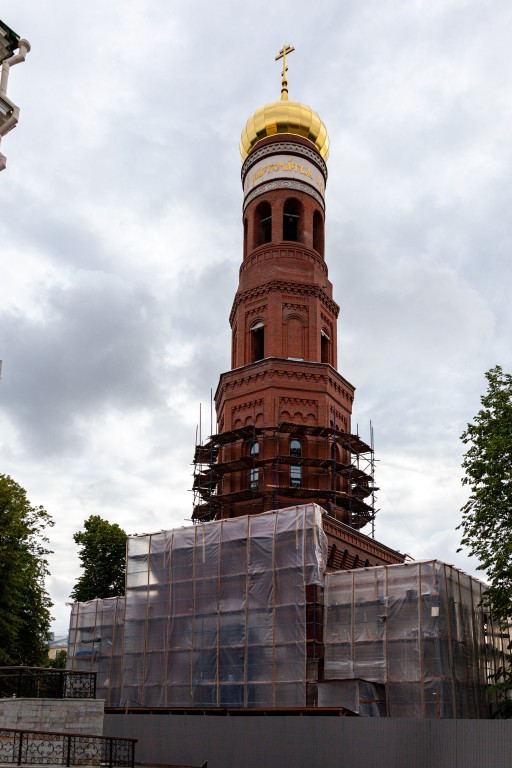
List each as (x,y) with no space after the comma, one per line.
(61,235)
(90,352)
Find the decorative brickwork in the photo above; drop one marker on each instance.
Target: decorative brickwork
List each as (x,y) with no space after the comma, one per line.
(284,147)
(284,411)
(284,165)
(299,410)
(267,254)
(277,286)
(296,186)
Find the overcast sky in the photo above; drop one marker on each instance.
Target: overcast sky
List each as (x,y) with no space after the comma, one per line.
(120,242)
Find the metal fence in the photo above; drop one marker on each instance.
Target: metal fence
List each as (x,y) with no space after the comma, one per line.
(318,741)
(43,683)
(46,748)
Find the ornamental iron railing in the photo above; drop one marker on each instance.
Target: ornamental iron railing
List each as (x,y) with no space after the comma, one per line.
(20,747)
(43,683)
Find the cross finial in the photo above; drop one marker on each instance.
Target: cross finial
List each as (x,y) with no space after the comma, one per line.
(284,80)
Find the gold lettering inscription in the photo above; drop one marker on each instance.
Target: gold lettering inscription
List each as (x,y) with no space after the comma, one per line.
(290,166)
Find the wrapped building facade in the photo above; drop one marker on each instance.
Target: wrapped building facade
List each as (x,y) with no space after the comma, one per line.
(222,614)
(241,613)
(95,643)
(416,635)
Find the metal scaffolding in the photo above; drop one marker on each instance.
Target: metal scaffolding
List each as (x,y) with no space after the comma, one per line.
(323,475)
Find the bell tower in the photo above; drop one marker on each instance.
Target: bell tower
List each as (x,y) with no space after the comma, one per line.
(284,410)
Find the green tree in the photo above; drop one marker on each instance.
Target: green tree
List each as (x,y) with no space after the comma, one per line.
(59,662)
(103,560)
(24,603)
(487,515)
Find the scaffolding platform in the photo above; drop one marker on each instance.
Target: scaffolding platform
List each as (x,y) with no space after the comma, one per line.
(214,465)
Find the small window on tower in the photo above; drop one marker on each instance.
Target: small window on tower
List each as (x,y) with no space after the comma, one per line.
(262,224)
(233,349)
(257,342)
(295,448)
(291,220)
(295,471)
(318,233)
(266,228)
(295,477)
(290,226)
(254,472)
(325,344)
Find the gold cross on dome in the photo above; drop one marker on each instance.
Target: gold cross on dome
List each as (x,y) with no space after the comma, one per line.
(284,81)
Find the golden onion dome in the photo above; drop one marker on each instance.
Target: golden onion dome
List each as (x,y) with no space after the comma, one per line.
(280,117)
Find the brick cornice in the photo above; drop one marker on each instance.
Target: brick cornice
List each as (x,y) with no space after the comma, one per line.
(248,404)
(364,543)
(278,370)
(295,289)
(268,252)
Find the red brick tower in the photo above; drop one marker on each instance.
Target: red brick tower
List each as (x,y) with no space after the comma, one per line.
(283,410)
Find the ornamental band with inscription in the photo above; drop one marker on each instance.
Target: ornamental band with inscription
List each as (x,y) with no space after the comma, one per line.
(281,166)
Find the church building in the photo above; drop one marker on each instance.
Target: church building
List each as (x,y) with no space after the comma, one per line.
(275,600)
(284,410)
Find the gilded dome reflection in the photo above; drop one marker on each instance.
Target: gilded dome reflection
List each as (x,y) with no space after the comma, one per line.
(284,116)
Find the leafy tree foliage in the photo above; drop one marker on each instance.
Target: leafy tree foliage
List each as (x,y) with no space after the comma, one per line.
(59,662)
(487,515)
(103,560)
(24,603)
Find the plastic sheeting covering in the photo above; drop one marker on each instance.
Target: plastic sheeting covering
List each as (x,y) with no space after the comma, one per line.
(215,615)
(359,696)
(96,641)
(229,614)
(418,629)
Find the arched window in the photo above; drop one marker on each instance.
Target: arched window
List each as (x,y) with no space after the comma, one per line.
(262,224)
(292,224)
(246,227)
(318,232)
(254,471)
(295,337)
(295,470)
(257,342)
(295,448)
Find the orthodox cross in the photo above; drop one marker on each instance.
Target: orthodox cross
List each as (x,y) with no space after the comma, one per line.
(284,81)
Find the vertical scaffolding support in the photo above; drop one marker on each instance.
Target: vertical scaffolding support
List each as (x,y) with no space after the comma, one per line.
(334,456)
(372,473)
(276,482)
(255,458)
(211,451)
